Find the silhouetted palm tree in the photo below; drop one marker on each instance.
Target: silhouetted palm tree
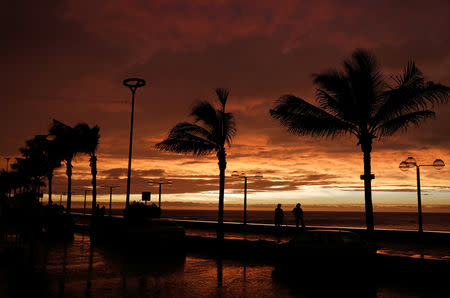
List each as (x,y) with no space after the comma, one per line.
(15,180)
(53,161)
(89,138)
(40,159)
(358,101)
(44,155)
(34,161)
(67,141)
(25,174)
(212,130)
(8,181)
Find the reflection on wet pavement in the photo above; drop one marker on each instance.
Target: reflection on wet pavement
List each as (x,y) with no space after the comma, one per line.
(414,250)
(81,269)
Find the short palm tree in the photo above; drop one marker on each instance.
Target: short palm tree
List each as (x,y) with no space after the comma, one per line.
(212,130)
(27,173)
(46,154)
(358,101)
(89,138)
(52,162)
(34,163)
(67,142)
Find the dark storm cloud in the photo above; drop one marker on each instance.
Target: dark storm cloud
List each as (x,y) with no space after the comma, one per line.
(118,172)
(67,59)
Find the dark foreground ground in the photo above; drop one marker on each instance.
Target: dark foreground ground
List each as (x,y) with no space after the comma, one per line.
(79,268)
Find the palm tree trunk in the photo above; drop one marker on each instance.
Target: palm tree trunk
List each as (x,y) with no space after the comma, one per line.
(50,179)
(94,180)
(221,155)
(366,147)
(69,184)
(34,187)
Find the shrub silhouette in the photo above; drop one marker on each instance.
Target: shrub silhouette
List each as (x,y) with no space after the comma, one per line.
(138,211)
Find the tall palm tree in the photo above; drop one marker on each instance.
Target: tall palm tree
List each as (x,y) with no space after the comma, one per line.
(89,139)
(360,102)
(67,142)
(213,129)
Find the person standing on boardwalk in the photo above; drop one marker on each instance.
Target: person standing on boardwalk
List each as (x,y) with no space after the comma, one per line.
(298,214)
(279,215)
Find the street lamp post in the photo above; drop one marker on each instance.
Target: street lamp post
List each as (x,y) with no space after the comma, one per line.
(133,84)
(245,177)
(110,197)
(7,167)
(410,162)
(60,198)
(84,205)
(160,183)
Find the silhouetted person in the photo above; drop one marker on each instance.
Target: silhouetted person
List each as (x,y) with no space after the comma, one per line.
(279,215)
(298,214)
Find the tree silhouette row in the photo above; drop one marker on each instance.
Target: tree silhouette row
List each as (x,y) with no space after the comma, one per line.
(43,154)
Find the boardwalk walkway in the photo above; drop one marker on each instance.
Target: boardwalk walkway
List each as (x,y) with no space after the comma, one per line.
(404,243)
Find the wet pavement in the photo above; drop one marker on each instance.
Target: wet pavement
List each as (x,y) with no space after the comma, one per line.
(79,268)
(433,251)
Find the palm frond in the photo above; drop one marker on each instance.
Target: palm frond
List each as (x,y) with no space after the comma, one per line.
(365,82)
(363,61)
(333,91)
(191,128)
(206,114)
(402,122)
(222,95)
(65,139)
(213,128)
(411,76)
(87,138)
(405,96)
(186,144)
(187,137)
(229,128)
(58,128)
(303,118)
(410,95)
(436,93)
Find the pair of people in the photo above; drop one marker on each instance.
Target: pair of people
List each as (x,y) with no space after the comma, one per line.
(298,214)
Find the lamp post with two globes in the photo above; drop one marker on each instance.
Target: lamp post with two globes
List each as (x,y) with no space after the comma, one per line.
(245,177)
(410,162)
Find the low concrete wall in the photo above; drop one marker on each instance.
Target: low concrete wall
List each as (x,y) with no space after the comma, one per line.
(380,234)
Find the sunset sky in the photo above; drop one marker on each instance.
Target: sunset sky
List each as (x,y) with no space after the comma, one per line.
(66,60)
